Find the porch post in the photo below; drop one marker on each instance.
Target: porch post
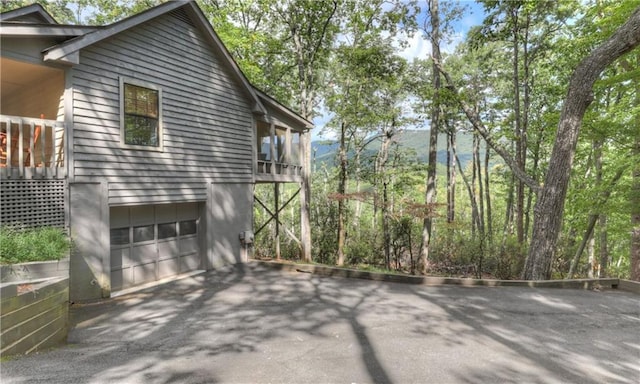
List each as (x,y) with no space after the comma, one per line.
(272,148)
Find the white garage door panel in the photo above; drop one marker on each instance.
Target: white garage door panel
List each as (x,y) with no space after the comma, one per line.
(168,267)
(190,262)
(144,273)
(189,245)
(168,249)
(153,242)
(169,258)
(143,254)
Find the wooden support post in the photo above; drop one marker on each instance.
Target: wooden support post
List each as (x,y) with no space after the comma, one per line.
(272,148)
(30,161)
(287,150)
(21,148)
(276,198)
(40,134)
(9,147)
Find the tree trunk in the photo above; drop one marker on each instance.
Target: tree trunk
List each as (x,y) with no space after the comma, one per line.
(342,189)
(480,187)
(358,203)
(588,234)
(487,193)
(386,232)
(519,206)
(634,260)
(507,229)
(306,65)
(536,163)
(635,206)
(449,178)
(604,248)
(430,195)
(451,181)
(549,208)
(524,128)
(591,251)
(475,219)
(593,262)
(635,216)
(380,169)
(453,177)
(305,196)
(602,200)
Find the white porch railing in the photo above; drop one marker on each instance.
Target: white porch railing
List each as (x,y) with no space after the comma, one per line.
(31,148)
(266,167)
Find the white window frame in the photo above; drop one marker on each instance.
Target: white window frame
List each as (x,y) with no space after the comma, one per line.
(144,84)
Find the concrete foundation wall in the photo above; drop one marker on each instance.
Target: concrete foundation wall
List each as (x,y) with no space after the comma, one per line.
(229,212)
(89,227)
(34,315)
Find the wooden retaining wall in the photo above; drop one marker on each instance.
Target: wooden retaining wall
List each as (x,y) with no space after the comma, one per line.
(34,270)
(34,315)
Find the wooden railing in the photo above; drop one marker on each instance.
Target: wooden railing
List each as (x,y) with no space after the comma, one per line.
(266,167)
(31,148)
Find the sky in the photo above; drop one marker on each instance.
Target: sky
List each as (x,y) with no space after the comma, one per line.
(419,47)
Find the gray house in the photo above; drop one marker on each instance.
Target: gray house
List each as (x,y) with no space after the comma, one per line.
(143,138)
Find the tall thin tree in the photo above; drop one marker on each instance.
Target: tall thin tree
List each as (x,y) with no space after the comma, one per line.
(430,195)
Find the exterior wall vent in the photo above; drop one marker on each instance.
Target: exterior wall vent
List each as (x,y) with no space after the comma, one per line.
(181,15)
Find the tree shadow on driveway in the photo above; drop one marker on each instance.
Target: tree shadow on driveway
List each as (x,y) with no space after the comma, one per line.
(544,335)
(254,324)
(237,324)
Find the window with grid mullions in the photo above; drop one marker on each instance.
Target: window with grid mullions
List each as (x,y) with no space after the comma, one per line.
(141,115)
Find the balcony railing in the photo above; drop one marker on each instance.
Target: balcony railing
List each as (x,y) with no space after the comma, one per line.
(266,167)
(31,148)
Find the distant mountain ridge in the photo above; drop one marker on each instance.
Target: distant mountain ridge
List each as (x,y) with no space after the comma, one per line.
(414,143)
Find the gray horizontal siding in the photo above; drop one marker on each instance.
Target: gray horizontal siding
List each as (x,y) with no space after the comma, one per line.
(207,117)
(124,193)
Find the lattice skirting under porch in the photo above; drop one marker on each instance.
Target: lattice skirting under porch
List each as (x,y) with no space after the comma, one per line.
(33,203)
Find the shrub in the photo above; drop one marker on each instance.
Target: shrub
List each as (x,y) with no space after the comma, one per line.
(40,244)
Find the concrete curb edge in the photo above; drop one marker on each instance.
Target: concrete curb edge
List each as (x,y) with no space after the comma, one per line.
(626,285)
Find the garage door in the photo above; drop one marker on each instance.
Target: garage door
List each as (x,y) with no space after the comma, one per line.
(152,242)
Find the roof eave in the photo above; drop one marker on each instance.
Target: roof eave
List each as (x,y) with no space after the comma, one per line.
(30,30)
(29,10)
(284,109)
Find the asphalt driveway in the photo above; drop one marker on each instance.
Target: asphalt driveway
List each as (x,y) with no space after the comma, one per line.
(255,324)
